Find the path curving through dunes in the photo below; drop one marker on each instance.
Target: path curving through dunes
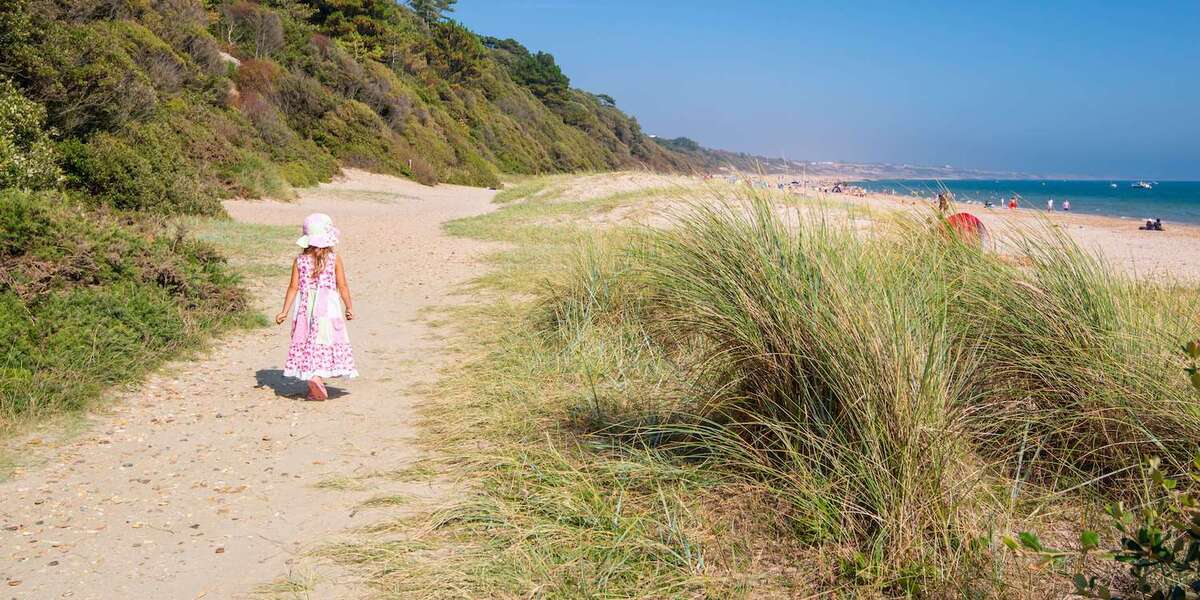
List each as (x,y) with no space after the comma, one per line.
(215,477)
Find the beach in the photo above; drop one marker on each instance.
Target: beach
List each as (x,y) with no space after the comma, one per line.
(1164,255)
(1167,254)
(655,200)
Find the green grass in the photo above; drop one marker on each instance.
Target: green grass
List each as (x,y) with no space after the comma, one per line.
(256,251)
(341,483)
(522,188)
(885,386)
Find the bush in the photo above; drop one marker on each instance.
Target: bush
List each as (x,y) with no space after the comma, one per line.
(89,299)
(148,172)
(28,159)
(360,138)
(83,75)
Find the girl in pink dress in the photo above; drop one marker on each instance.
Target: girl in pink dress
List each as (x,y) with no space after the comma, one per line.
(318,299)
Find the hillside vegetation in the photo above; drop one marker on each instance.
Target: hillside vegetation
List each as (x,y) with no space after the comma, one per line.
(169,105)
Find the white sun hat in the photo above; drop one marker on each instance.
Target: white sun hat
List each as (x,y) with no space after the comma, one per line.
(319,232)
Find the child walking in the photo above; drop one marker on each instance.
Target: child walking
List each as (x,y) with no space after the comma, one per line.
(319,300)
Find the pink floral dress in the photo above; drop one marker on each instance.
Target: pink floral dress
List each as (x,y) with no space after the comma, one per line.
(320,343)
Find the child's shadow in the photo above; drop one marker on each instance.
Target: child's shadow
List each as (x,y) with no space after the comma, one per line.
(286,387)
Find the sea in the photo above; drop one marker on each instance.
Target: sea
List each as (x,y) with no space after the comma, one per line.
(1171,201)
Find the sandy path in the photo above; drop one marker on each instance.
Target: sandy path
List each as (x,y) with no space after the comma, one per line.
(203,482)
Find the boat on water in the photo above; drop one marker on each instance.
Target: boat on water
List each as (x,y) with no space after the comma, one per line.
(1112,185)
(1143,185)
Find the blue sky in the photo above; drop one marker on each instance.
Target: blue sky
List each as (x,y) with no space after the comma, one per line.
(1086,88)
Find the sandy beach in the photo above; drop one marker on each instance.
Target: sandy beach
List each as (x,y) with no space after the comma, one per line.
(1156,254)
(1165,254)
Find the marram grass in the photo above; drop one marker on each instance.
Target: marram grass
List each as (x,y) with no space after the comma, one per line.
(882,381)
(763,401)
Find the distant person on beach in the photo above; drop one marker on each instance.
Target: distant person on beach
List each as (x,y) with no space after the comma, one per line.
(1012,203)
(320,345)
(1066,204)
(943,202)
(1050,204)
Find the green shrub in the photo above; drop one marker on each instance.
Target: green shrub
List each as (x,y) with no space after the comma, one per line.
(1159,543)
(89,299)
(146,171)
(82,74)
(28,158)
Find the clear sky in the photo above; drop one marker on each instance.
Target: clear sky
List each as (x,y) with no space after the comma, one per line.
(1109,89)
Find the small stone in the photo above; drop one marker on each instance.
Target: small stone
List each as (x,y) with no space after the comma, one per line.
(220,550)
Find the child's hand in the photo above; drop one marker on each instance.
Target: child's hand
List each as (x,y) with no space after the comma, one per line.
(349,315)
(280,318)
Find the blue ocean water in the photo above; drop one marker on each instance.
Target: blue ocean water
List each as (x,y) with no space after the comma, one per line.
(1171,201)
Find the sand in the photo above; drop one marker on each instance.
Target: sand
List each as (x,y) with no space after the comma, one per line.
(1169,254)
(204,481)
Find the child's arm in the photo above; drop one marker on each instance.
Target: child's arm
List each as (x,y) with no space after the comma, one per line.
(343,287)
(290,297)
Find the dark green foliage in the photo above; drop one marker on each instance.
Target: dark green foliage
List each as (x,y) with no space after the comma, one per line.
(1191,350)
(88,299)
(431,11)
(83,75)
(1159,540)
(681,144)
(459,56)
(146,171)
(541,75)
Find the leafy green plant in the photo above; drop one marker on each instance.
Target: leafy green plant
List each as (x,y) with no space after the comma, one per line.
(90,298)
(1191,350)
(28,158)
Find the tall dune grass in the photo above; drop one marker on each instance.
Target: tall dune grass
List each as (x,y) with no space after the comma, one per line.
(894,386)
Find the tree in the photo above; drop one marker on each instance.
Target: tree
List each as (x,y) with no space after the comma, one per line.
(431,11)
(247,20)
(456,53)
(541,75)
